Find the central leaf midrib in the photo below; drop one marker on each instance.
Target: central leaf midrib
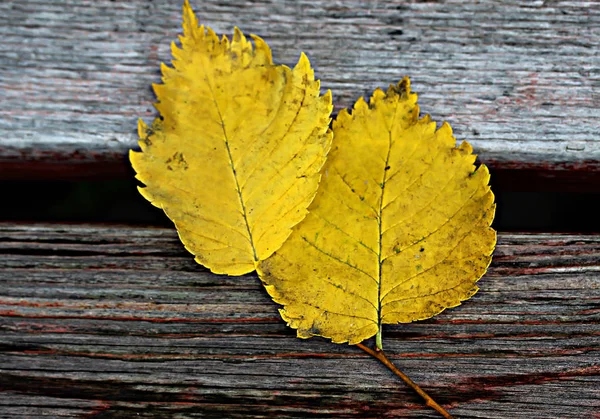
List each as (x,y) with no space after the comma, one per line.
(239,191)
(232,165)
(379,226)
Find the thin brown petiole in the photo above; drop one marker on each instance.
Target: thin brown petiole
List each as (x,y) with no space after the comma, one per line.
(380,355)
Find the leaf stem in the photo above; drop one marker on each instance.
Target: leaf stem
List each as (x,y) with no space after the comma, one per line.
(380,355)
(378,339)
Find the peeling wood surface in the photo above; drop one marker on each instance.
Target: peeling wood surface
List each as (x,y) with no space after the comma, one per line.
(110,321)
(518,79)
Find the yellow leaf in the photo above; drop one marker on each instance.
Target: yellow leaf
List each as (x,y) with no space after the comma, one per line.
(235,158)
(399,229)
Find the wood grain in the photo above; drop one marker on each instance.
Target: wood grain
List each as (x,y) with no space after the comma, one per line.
(114,321)
(518,79)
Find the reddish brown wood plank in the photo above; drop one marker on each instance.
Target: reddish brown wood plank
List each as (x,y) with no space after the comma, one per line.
(519,79)
(113,321)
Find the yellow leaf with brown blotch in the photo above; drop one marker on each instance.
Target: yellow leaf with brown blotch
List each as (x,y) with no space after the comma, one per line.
(235,157)
(399,229)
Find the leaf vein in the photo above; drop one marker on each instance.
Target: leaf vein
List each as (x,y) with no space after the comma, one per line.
(336,313)
(259,136)
(422,296)
(379,224)
(412,183)
(346,291)
(210,220)
(342,231)
(464,204)
(428,205)
(435,264)
(353,191)
(227,245)
(234,174)
(278,142)
(258,188)
(356,268)
(285,214)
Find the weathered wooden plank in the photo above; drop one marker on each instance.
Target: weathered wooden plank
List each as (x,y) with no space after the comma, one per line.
(519,79)
(101,321)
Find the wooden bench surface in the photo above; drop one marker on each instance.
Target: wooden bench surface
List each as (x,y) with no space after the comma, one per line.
(101,321)
(519,79)
(115,321)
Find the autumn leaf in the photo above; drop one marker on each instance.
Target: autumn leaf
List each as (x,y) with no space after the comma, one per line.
(235,157)
(399,229)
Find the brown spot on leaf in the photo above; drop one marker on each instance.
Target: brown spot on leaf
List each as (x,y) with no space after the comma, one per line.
(177,161)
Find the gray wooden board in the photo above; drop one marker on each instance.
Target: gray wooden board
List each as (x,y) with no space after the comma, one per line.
(110,321)
(518,79)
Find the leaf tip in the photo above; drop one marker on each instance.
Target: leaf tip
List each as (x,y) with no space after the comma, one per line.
(212,35)
(361,104)
(238,35)
(343,117)
(377,95)
(426,119)
(190,22)
(284,315)
(225,42)
(187,8)
(328,98)
(262,49)
(303,64)
(466,148)
(142,128)
(133,157)
(445,130)
(144,192)
(484,168)
(304,58)
(402,89)
(404,86)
